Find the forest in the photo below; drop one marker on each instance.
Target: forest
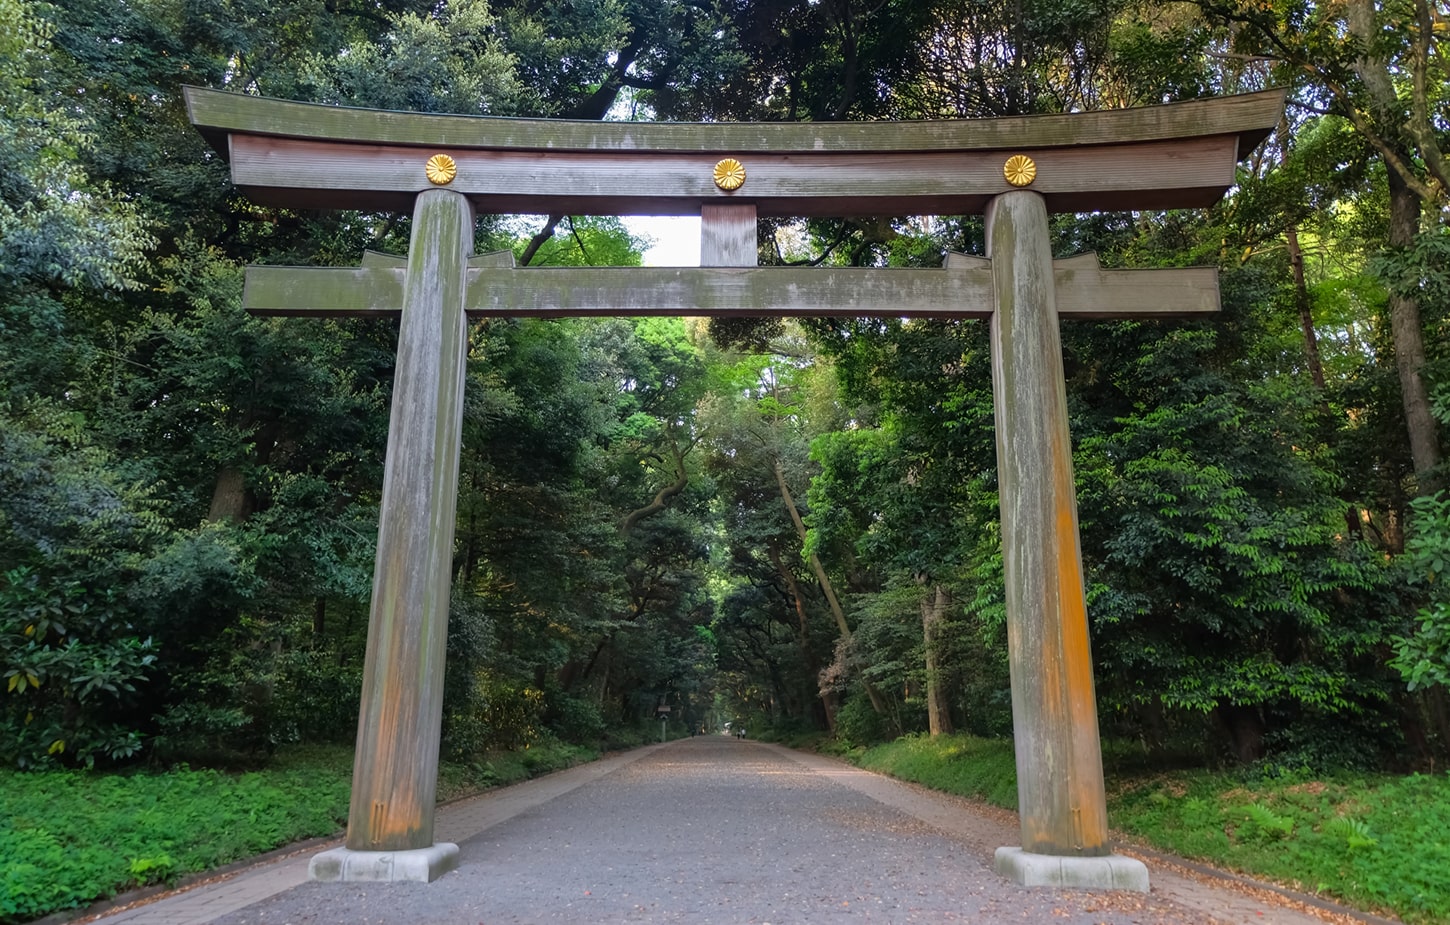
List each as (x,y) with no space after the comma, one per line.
(790,526)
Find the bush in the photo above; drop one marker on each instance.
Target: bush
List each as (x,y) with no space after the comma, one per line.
(619,738)
(574,719)
(493,712)
(71,672)
(265,686)
(858,723)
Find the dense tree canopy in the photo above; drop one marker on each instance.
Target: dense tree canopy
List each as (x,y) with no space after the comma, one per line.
(788,523)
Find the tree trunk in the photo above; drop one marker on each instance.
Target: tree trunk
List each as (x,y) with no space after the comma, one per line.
(933,613)
(606,663)
(1305,306)
(803,636)
(662,498)
(1413,715)
(230,499)
(1244,728)
(877,703)
(800,528)
(1439,706)
(1405,203)
(1408,333)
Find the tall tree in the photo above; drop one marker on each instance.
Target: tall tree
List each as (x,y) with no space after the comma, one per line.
(1380,67)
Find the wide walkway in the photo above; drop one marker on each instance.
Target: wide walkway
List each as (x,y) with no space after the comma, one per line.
(706,830)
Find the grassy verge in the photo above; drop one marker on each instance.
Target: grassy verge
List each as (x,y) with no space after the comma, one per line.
(68,838)
(1377,842)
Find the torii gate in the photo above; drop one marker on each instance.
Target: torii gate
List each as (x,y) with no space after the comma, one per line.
(1016,170)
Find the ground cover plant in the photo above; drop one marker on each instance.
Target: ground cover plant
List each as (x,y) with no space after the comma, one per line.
(1373,841)
(68,838)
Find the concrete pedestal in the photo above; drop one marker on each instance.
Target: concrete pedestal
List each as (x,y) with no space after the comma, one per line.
(421,864)
(1107,872)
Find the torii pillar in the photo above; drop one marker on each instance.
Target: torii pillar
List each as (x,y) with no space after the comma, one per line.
(1062,806)
(395,769)
(302,156)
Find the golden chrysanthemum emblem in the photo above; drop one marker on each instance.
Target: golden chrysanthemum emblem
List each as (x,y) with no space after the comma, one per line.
(441,169)
(1019,170)
(729,174)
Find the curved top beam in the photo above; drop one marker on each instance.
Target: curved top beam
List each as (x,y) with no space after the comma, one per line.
(217,113)
(308,155)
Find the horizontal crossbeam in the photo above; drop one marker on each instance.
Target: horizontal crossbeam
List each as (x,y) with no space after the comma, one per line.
(1156,175)
(300,155)
(962,290)
(219,113)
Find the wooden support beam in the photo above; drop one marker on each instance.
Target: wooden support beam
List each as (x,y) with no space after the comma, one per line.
(962,290)
(492,260)
(336,291)
(551,292)
(1086,291)
(1151,175)
(1061,800)
(395,772)
(727,235)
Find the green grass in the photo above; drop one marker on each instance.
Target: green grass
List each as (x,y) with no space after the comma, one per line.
(68,838)
(967,766)
(1377,842)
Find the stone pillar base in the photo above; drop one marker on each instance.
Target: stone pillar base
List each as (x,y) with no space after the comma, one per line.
(1112,872)
(423,865)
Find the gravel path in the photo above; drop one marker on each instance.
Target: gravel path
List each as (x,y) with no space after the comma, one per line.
(715,830)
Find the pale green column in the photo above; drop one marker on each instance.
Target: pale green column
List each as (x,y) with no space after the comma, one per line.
(395,775)
(1054,714)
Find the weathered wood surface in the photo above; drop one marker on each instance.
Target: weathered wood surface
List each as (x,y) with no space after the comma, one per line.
(1085,290)
(727,235)
(963,290)
(395,771)
(1061,801)
(215,113)
(302,173)
(308,156)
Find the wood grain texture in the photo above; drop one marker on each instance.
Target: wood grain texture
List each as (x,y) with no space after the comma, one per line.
(553,292)
(1085,290)
(372,259)
(491,259)
(395,771)
(963,290)
(1062,806)
(372,289)
(1248,117)
(772,291)
(1153,175)
(727,235)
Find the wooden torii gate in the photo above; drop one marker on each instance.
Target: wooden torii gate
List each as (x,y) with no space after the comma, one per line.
(1015,170)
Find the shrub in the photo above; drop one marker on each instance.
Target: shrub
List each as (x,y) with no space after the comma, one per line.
(70,669)
(574,719)
(858,723)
